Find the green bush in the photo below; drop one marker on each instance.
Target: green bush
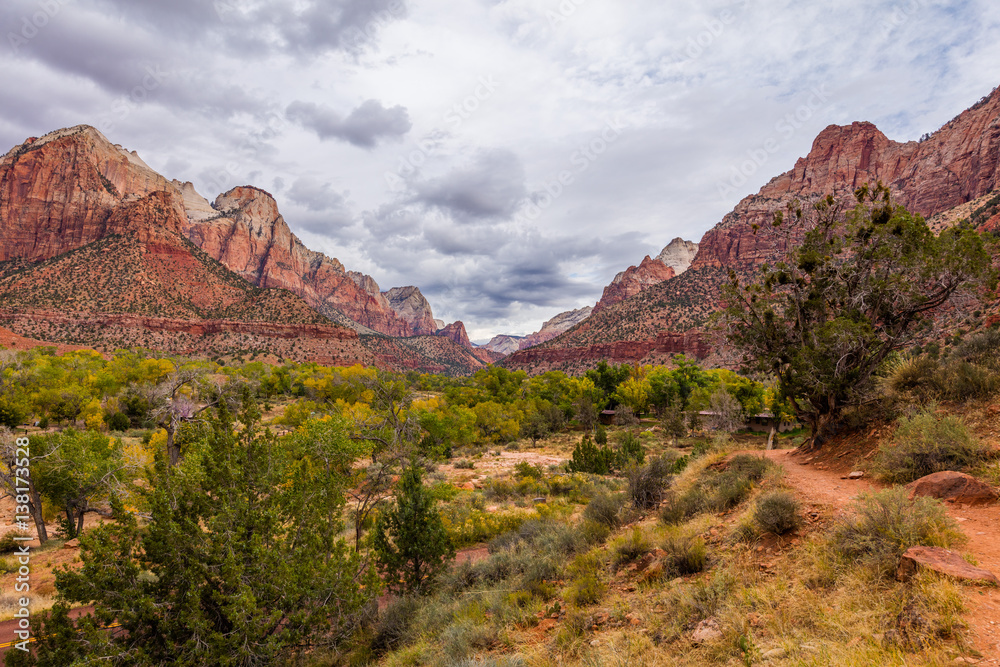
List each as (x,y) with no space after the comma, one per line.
(586,590)
(925,444)
(118,421)
(587,457)
(887,523)
(601,435)
(630,451)
(605,509)
(777,512)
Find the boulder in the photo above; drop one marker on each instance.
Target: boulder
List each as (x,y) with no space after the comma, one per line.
(706,631)
(953,487)
(944,562)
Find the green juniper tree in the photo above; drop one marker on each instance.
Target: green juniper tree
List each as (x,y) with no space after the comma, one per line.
(410,541)
(240,562)
(852,290)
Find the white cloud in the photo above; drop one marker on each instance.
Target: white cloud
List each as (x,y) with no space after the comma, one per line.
(470,111)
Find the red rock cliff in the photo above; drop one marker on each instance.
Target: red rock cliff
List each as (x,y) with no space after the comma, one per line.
(957,164)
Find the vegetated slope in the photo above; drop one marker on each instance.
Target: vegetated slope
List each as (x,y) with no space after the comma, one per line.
(430,354)
(958,164)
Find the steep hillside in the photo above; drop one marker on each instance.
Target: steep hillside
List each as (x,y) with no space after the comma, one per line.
(958,164)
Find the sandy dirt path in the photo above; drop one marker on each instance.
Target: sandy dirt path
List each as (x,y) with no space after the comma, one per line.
(981,524)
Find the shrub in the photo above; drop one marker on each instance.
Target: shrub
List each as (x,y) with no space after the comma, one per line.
(630,451)
(777,513)
(8,544)
(684,555)
(601,435)
(465,464)
(926,444)
(888,523)
(587,457)
(749,467)
(586,590)
(593,532)
(680,508)
(394,623)
(647,484)
(463,637)
(605,509)
(118,421)
(629,548)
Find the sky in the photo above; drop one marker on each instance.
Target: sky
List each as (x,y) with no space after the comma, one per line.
(508,157)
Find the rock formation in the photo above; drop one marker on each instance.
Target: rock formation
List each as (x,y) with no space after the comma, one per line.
(411,306)
(678,255)
(456,332)
(504,344)
(133,259)
(633,280)
(251,238)
(957,164)
(559,324)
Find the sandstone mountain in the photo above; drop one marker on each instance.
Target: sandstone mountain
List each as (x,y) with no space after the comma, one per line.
(958,164)
(555,326)
(678,255)
(504,344)
(411,306)
(633,280)
(97,249)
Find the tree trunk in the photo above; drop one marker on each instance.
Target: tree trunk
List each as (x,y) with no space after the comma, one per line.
(173,452)
(35,507)
(770,437)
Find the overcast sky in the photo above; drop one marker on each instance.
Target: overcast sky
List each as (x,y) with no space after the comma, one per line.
(506,156)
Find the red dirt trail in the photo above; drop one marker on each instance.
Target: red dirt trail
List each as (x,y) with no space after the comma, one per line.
(821,486)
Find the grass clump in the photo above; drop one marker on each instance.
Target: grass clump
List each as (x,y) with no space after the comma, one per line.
(777,512)
(605,509)
(925,444)
(887,523)
(685,554)
(8,543)
(630,548)
(717,490)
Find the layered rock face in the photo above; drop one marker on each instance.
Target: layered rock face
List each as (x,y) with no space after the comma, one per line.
(557,325)
(678,255)
(957,164)
(251,238)
(58,192)
(504,344)
(136,260)
(411,306)
(633,280)
(456,332)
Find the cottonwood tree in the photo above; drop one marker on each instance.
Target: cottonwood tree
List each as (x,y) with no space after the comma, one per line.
(851,291)
(78,467)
